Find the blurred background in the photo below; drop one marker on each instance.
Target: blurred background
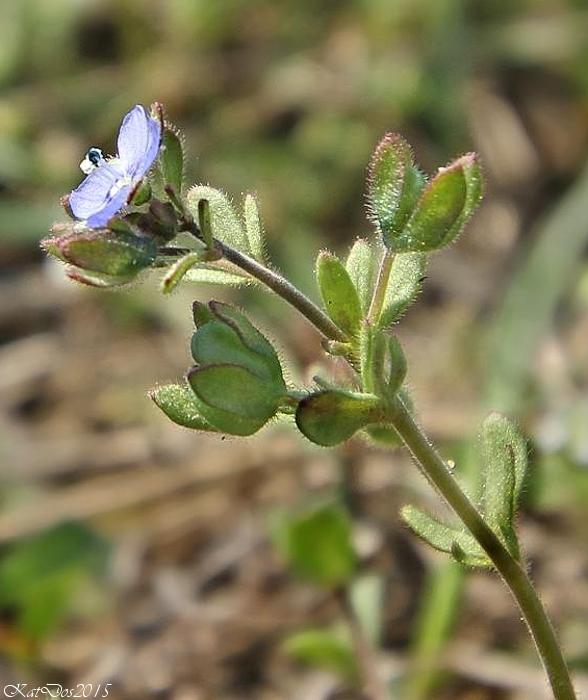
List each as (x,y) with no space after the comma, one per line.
(136,553)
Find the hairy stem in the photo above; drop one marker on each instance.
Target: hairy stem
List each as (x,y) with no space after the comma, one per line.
(434,468)
(285,289)
(280,285)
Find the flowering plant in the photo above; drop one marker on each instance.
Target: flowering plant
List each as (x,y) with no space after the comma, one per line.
(126,215)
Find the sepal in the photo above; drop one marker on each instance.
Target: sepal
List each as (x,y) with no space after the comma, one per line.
(329,418)
(178,403)
(443,208)
(361,268)
(394,184)
(119,255)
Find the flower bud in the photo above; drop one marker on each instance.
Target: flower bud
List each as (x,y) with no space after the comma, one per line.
(330,417)
(117,256)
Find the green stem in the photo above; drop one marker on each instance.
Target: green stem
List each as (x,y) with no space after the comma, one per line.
(435,469)
(285,289)
(280,285)
(514,575)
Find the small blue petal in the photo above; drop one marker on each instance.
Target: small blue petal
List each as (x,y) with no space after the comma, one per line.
(138,141)
(95,190)
(114,205)
(154,142)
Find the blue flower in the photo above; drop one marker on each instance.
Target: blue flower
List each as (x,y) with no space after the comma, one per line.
(107,188)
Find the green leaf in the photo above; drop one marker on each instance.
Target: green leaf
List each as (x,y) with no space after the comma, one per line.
(338,293)
(103,252)
(41,576)
(171,159)
(361,267)
(206,273)
(443,208)
(316,543)
(505,462)
(226,225)
(444,537)
(328,418)
(329,649)
(179,405)
(233,399)
(394,184)
(254,228)
(406,278)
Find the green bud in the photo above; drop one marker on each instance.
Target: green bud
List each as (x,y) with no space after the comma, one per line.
(338,293)
(178,403)
(361,267)
(328,418)
(394,184)
(171,159)
(443,208)
(117,255)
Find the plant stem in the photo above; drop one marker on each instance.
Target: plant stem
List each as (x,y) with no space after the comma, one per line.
(514,575)
(434,468)
(285,289)
(380,289)
(280,285)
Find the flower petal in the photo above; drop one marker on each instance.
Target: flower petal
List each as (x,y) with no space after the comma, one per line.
(152,148)
(111,207)
(138,141)
(93,194)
